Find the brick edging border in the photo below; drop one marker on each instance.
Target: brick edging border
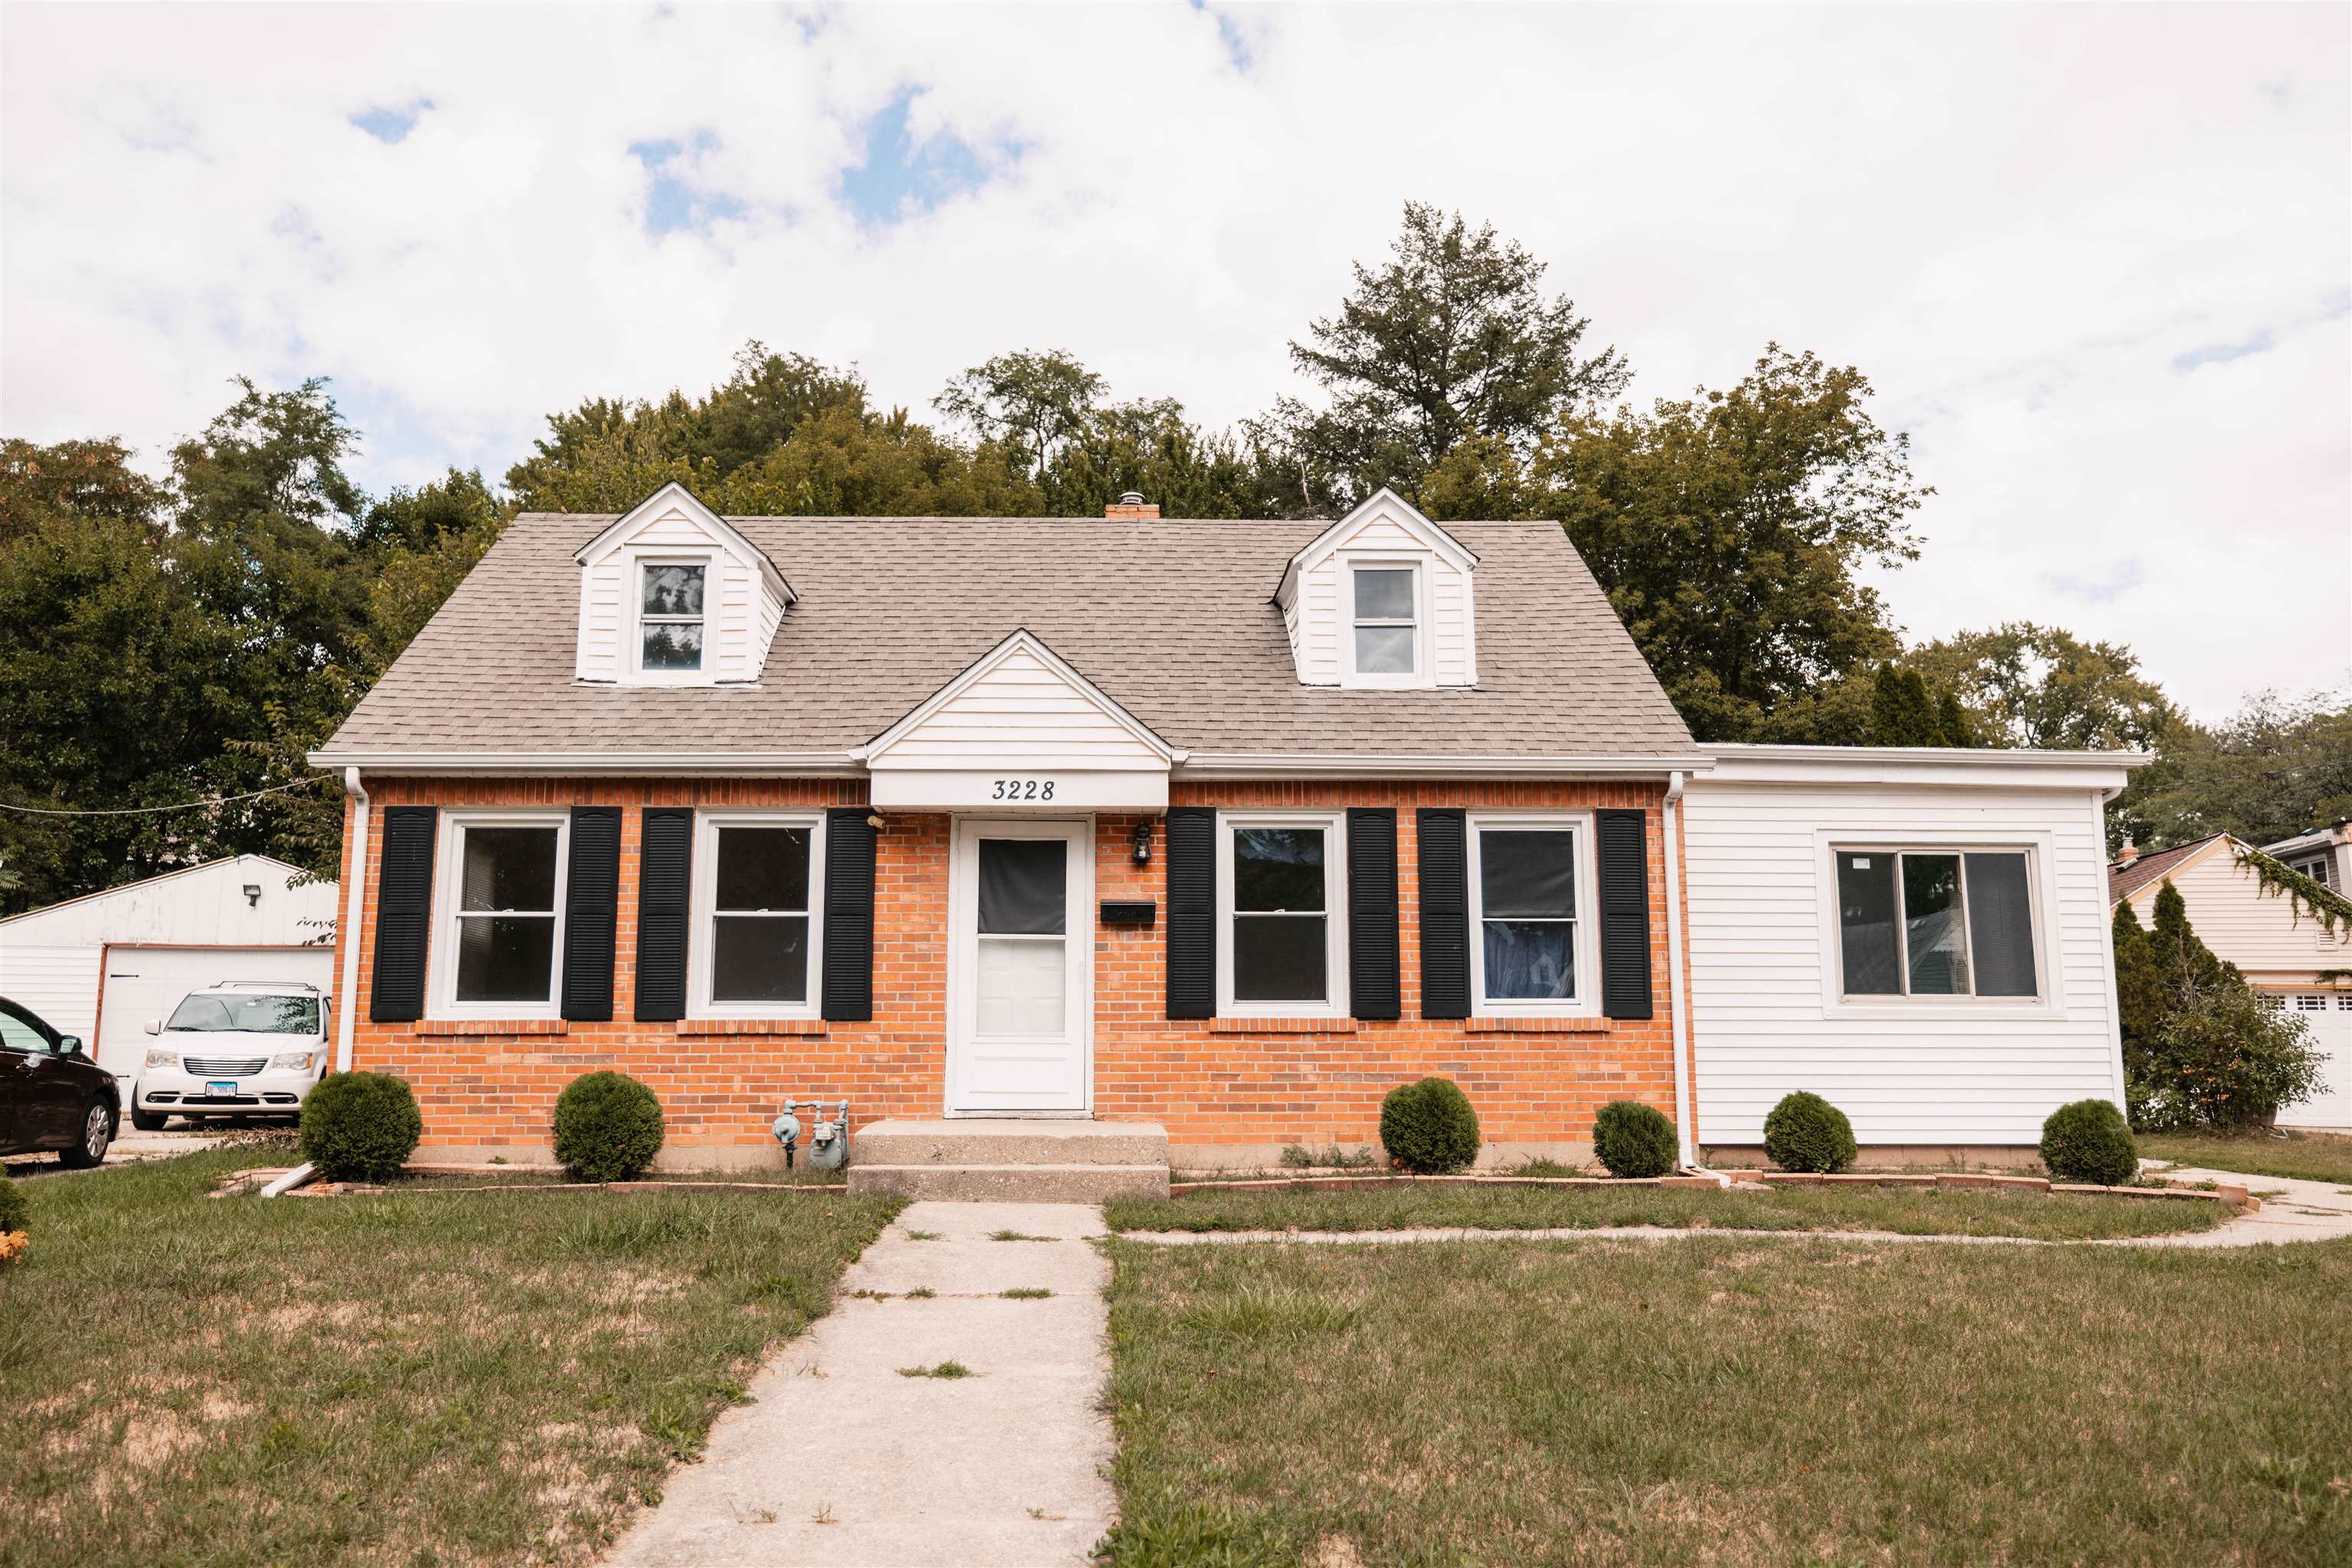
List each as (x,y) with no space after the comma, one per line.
(2236,1197)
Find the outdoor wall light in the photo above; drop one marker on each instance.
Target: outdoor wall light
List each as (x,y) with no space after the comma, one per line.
(1143,842)
(874,820)
(253,895)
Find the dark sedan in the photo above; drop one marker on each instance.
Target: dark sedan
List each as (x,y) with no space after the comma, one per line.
(52,1096)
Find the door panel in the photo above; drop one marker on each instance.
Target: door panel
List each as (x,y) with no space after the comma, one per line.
(1021,1008)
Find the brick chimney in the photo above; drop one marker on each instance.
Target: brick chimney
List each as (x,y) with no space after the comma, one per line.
(1132,508)
(2130,853)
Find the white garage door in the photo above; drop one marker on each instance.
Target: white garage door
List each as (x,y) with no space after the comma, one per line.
(2328,1014)
(144,983)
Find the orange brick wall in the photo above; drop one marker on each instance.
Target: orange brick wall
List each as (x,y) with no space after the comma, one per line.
(1211,1084)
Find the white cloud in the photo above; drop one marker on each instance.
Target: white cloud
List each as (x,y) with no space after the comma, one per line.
(2095,260)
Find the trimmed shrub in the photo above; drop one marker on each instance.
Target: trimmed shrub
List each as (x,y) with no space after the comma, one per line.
(359,1126)
(12,1209)
(2089,1141)
(1806,1133)
(1633,1140)
(1429,1126)
(608,1127)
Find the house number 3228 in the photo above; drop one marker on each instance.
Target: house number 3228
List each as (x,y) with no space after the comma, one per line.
(1023,789)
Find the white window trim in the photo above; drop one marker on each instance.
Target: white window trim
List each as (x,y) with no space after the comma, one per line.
(2041,897)
(1334,914)
(449,881)
(1586,1003)
(1424,672)
(701,942)
(639,563)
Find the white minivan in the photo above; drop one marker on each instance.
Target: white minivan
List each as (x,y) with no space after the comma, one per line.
(242,1047)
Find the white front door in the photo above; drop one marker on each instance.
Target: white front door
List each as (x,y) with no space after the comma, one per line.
(1021,967)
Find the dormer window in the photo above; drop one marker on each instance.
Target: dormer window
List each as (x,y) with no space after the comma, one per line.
(1387,620)
(670,625)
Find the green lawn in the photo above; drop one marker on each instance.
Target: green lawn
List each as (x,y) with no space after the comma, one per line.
(1949,1211)
(406,1378)
(2298,1156)
(1728,1401)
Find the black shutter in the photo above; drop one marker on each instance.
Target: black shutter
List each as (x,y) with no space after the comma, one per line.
(404,915)
(1441,851)
(1625,868)
(1192,911)
(665,883)
(1372,979)
(849,838)
(592,912)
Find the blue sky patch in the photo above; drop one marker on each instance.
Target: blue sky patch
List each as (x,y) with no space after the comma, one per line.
(392,125)
(898,177)
(672,202)
(1237,50)
(2102,587)
(2223,353)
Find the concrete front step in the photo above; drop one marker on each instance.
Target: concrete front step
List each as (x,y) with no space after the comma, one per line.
(1055,1184)
(1009,1142)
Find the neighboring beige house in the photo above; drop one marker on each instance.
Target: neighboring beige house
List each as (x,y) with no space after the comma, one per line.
(2281,949)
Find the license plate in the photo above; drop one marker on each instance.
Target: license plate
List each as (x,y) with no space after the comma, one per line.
(227,1089)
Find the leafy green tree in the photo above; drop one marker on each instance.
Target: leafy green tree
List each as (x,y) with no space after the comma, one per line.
(2186,963)
(1953,721)
(846,463)
(1452,338)
(76,479)
(2030,685)
(2277,767)
(1730,530)
(2143,1001)
(1033,401)
(1149,445)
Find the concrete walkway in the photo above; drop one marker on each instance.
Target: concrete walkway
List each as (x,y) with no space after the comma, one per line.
(841,1462)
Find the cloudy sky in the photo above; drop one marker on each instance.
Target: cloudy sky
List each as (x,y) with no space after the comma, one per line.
(2098,261)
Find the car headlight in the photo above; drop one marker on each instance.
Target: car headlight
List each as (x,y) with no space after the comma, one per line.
(162,1058)
(299,1060)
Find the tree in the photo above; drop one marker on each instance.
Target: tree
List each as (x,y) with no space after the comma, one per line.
(1452,338)
(1149,445)
(79,479)
(2277,767)
(1953,721)
(1730,530)
(2185,963)
(1032,402)
(2030,685)
(2143,1001)
(1901,711)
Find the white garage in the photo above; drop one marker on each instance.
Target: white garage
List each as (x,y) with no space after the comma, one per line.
(101,966)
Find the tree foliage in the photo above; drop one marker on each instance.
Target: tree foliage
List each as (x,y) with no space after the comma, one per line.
(2032,685)
(2279,766)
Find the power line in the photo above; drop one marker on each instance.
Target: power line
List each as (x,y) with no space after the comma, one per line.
(141,810)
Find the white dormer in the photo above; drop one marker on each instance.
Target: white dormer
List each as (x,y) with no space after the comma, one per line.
(1382,599)
(673,595)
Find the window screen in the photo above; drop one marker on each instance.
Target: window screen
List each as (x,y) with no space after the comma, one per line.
(1280,954)
(506,915)
(1023,981)
(760,916)
(1936,923)
(1527,906)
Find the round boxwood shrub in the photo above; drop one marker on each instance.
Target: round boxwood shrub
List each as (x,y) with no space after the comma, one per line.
(1429,1126)
(1806,1133)
(359,1126)
(608,1127)
(2089,1141)
(1633,1140)
(12,1209)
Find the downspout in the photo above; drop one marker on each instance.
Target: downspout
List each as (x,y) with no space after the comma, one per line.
(1679,1003)
(347,953)
(354,903)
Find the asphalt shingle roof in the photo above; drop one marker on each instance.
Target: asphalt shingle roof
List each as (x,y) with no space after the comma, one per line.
(1174,619)
(2123,881)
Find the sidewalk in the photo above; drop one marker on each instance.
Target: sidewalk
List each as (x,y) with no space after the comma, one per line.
(841,1462)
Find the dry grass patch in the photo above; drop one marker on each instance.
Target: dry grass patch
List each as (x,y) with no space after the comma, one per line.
(1728,1403)
(1909,1211)
(396,1379)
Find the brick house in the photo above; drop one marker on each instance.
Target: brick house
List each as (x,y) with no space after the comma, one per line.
(1227,827)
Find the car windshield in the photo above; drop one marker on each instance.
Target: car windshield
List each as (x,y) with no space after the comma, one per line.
(209,1013)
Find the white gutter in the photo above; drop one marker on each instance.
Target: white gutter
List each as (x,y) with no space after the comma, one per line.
(1679,1003)
(1208,766)
(603,764)
(347,940)
(290,1180)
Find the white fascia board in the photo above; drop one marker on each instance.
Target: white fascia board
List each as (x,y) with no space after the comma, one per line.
(678,495)
(1248,766)
(1937,766)
(1022,640)
(1406,514)
(601,764)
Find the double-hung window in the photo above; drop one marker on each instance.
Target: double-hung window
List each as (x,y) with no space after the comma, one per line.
(2314,869)
(756,934)
(501,933)
(1937,922)
(1530,915)
(1281,924)
(1385,622)
(669,616)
